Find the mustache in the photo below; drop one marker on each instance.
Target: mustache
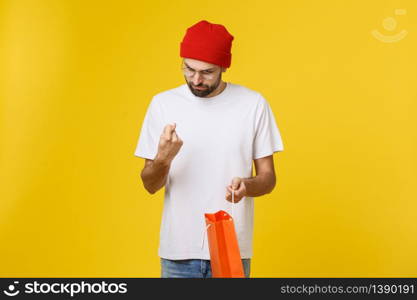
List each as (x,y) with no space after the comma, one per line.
(199,85)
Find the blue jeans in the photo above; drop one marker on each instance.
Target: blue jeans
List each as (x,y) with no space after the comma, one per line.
(193,268)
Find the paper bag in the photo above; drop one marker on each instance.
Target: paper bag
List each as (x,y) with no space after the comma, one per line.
(225,257)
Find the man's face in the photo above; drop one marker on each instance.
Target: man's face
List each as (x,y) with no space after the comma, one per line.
(202,78)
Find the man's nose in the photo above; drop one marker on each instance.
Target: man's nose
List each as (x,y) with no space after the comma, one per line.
(197,78)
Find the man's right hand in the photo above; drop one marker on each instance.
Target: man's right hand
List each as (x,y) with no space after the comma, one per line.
(169,144)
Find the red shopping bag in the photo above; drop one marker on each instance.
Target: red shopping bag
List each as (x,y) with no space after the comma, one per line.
(225,257)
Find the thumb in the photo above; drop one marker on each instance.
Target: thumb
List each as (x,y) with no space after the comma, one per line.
(235,183)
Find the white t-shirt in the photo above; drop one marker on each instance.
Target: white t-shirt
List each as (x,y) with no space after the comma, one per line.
(222,135)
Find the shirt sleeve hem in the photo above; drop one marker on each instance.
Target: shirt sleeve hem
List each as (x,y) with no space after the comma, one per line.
(265,154)
(145,155)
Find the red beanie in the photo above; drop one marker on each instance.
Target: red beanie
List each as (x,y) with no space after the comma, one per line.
(208,42)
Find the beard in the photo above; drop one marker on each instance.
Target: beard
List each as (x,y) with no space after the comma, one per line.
(208,89)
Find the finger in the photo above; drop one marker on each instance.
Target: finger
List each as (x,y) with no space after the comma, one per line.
(236,182)
(238,195)
(174,136)
(168,131)
(178,137)
(235,199)
(228,196)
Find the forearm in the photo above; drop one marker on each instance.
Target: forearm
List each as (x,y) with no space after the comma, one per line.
(154,176)
(259,185)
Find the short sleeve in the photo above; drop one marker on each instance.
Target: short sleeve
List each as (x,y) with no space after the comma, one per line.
(147,146)
(267,136)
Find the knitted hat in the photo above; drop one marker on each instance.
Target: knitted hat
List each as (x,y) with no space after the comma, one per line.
(208,42)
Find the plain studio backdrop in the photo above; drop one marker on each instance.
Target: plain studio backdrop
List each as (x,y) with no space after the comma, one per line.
(76,78)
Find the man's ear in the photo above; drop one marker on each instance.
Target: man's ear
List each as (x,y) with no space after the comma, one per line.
(224,69)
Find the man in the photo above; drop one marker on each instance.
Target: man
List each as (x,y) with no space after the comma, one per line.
(199,141)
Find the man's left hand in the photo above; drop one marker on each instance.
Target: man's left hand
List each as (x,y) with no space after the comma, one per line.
(239,187)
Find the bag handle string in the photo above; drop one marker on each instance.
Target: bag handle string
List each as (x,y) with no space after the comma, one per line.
(208,225)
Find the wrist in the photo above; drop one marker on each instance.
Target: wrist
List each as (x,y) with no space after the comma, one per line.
(159,160)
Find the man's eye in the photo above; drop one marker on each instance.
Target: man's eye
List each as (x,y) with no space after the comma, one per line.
(207,72)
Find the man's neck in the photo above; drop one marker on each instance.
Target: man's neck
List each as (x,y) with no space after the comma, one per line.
(218,90)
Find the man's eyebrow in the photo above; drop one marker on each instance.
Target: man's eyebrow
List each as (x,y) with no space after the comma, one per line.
(210,69)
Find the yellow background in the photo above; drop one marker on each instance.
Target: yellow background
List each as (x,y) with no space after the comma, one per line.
(75,81)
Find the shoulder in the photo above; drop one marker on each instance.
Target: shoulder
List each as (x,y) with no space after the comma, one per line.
(252,96)
(160,99)
(163,96)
